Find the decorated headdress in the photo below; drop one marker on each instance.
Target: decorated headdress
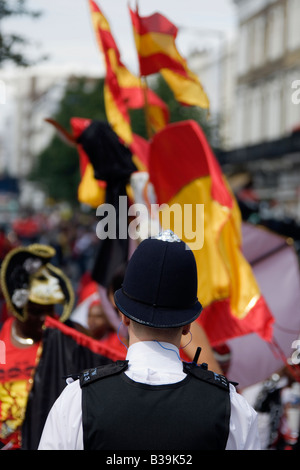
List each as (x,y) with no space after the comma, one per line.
(27,275)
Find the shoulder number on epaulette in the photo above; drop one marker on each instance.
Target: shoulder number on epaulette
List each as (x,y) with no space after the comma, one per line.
(221,379)
(201,372)
(91,375)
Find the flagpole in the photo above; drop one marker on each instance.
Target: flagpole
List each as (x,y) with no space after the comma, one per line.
(144,86)
(146,106)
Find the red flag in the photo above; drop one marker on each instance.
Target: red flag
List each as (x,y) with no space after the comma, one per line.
(123,90)
(185,172)
(157,52)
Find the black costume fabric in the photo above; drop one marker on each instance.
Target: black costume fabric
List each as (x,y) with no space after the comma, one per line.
(62,356)
(111,160)
(112,163)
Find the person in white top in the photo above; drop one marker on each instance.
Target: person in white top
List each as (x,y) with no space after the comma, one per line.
(158,302)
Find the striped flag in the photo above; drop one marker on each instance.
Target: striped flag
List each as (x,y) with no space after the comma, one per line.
(123,90)
(185,172)
(90,190)
(157,52)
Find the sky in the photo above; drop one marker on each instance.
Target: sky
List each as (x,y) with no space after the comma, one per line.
(64,31)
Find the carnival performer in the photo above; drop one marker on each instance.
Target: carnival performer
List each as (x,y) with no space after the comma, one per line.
(138,403)
(42,346)
(32,288)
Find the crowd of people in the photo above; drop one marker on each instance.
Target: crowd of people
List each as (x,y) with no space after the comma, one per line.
(48,298)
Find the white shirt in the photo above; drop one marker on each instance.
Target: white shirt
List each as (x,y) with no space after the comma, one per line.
(152,363)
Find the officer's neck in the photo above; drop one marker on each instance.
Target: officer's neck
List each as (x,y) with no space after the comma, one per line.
(138,332)
(159,335)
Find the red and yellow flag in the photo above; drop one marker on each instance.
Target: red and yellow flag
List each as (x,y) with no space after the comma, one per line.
(123,90)
(157,52)
(90,191)
(185,172)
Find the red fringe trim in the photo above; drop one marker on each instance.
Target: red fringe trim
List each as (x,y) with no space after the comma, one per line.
(84,340)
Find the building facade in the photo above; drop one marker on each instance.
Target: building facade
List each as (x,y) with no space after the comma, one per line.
(31,95)
(257,99)
(267,69)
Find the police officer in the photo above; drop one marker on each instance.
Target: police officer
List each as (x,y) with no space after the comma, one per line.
(152,400)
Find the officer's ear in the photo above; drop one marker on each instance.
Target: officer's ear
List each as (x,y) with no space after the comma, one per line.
(186,329)
(125,320)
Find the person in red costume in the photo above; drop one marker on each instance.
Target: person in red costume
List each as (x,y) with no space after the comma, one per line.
(32,288)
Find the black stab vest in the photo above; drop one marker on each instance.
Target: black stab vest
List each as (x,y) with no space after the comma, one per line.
(121,414)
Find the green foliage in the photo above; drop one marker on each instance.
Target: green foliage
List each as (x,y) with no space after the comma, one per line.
(12,45)
(177,111)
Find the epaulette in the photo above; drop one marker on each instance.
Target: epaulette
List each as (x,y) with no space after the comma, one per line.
(201,372)
(91,375)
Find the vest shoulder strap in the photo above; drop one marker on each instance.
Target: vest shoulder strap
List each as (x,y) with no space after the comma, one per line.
(91,375)
(201,372)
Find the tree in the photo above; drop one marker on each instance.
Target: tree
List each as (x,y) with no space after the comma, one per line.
(10,43)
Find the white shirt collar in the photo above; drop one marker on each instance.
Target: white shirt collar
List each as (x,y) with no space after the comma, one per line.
(154,362)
